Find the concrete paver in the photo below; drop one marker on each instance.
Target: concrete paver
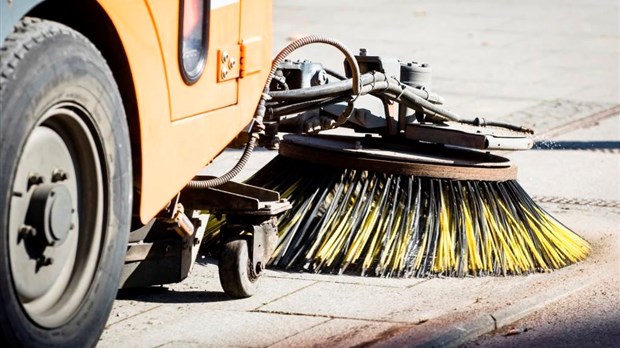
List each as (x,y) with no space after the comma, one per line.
(197,322)
(338,333)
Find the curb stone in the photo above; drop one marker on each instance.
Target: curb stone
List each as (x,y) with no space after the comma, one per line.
(457,335)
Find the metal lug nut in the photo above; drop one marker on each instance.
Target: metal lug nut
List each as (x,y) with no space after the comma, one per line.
(44,261)
(34,179)
(27,231)
(59,175)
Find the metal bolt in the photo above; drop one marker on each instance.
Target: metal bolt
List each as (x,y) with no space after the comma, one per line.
(27,231)
(363,52)
(231,63)
(223,73)
(321,77)
(224,57)
(44,261)
(59,175)
(34,179)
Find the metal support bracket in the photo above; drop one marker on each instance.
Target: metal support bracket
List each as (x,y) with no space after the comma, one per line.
(235,198)
(473,137)
(264,242)
(249,210)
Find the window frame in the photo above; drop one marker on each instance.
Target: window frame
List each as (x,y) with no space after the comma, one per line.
(191,77)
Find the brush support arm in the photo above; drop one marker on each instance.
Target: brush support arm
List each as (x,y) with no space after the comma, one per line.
(305,97)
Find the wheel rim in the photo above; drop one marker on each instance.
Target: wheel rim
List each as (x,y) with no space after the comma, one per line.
(56,216)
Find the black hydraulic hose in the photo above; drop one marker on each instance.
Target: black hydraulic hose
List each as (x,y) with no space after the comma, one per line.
(335,74)
(478,121)
(408,93)
(288,109)
(259,114)
(374,83)
(369,82)
(406,97)
(321,91)
(379,85)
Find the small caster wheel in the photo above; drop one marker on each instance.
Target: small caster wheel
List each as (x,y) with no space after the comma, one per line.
(237,277)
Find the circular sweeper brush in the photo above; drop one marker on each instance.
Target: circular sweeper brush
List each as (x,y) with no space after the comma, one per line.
(365,206)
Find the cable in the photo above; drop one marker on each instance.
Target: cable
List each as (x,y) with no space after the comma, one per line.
(335,74)
(259,114)
(288,109)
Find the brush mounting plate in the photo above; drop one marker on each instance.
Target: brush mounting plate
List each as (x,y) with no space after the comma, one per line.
(398,157)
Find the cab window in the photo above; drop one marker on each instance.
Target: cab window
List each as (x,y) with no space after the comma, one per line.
(193,38)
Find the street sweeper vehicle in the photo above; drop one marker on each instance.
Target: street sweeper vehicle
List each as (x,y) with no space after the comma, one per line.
(110,108)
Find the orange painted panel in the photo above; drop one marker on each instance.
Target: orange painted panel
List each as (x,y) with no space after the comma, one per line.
(206,94)
(256,26)
(173,152)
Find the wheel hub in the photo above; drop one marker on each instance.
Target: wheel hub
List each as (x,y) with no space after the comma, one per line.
(50,214)
(56,216)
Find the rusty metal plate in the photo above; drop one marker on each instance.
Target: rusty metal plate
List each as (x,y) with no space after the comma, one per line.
(375,154)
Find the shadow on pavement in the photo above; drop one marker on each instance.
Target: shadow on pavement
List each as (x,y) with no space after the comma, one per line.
(588,333)
(165,295)
(576,145)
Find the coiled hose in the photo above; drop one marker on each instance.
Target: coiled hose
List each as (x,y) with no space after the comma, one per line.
(259,114)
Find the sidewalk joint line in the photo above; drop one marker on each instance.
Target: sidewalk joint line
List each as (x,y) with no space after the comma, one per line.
(302,331)
(285,295)
(132,316)
(334,317)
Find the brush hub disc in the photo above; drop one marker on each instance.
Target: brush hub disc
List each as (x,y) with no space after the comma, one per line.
(395,157)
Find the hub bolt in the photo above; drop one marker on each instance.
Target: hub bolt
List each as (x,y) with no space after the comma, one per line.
(59,175)
(34,179)
(27,231)
(44,261)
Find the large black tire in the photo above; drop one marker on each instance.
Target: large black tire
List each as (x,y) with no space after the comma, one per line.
(65,187)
